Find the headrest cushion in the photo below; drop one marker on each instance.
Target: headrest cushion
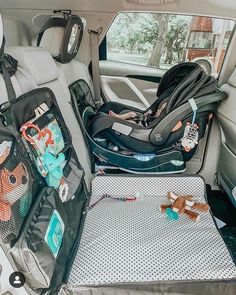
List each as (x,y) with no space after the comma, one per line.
(232,78)
(37,61)
(52,40)
(62,37)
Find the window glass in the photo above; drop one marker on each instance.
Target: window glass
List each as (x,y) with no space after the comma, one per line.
(163,40)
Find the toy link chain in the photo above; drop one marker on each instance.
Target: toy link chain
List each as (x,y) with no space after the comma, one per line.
(192,132)
(106,196)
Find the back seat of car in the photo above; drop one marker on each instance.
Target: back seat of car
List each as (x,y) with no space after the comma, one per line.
(122,239)
(42,70)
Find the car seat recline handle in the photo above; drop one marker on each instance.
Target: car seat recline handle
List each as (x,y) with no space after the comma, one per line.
(161,132)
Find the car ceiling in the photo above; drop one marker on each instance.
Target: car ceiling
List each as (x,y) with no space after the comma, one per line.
(223,8)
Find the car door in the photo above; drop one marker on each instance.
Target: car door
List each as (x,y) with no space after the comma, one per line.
(134,85)
(227,160)
(127,75)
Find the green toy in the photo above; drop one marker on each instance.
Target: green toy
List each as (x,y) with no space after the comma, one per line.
(51,166)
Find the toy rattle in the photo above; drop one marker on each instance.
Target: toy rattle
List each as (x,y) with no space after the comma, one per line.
(183,205)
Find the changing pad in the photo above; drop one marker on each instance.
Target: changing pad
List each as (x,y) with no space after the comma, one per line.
(128,242)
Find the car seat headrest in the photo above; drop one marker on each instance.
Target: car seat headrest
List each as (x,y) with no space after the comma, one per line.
(182,82)
(37,61)
(61,36)
(232,79)
(175,75)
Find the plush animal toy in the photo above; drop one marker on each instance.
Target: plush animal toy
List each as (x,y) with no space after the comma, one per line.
(14,186)
(183,205)
(51,167)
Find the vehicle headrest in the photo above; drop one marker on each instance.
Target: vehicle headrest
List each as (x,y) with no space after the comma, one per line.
(1,31)
(61,36)
(37,61)
(232,78)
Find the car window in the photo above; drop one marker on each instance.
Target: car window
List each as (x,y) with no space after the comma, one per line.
(163,40)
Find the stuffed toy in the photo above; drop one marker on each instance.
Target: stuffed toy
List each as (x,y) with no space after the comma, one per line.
(14,186)
(51,166)
(183,205)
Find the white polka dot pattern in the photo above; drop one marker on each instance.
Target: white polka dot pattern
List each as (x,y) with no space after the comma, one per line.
(128,242)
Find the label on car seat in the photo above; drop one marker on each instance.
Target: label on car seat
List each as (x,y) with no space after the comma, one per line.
(144,157)
(54,233)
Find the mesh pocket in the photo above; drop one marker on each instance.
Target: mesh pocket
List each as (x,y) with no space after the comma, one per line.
(16,188)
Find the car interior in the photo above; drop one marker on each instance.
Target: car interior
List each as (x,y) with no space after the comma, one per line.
(117,147)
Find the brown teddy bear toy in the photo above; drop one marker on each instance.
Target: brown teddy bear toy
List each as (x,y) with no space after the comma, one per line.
(183,205)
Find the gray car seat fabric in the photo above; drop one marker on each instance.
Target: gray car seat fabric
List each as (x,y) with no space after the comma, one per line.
(128,242)
(43,70)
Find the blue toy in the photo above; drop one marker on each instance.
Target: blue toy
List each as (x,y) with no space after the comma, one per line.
(172,215)
(50,166)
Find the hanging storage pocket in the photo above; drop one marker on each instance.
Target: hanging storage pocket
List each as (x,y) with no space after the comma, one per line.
(51,231)
(18,186)
(48,141)
(45,244)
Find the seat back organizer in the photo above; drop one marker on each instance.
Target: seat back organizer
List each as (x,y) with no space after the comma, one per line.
(128,231)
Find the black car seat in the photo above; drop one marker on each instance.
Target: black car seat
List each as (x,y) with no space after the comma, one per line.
(174,123)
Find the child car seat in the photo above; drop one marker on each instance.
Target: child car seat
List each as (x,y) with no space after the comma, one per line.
(172,125)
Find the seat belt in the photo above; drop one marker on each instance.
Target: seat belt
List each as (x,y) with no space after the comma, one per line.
(94,43)
(4,61)
(6,75)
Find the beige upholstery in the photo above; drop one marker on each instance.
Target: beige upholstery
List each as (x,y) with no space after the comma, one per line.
(232,79)
(37,62)
(227,161)
(52,39)
(227,110)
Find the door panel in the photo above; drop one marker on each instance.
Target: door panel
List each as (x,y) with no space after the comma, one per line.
(147,88)
(227,161)
(129,84)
